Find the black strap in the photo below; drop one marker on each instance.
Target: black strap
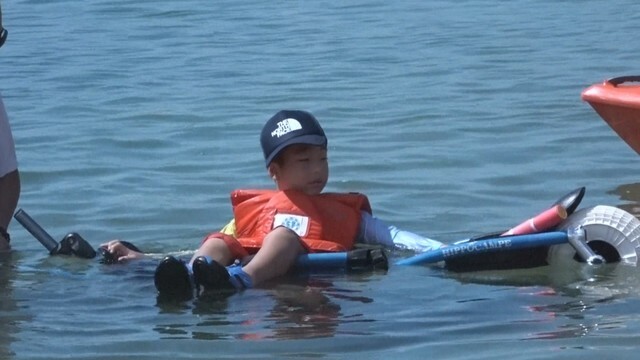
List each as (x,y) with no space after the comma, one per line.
(3,36)
(5,234)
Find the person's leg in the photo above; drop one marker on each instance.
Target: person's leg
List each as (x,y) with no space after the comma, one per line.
(9,195)
(279,251)
(215,249)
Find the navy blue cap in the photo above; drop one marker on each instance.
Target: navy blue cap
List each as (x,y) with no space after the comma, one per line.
(288,127)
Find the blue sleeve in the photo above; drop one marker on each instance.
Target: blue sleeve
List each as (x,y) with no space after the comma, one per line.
(375,232)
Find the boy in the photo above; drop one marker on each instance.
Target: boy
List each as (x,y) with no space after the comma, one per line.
(271,228)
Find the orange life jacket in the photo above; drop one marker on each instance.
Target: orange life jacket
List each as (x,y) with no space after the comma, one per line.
(326,222)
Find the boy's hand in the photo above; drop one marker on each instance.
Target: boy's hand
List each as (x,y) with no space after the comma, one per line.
(120,252)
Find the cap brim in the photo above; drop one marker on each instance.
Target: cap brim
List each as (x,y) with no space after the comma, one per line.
(304,139)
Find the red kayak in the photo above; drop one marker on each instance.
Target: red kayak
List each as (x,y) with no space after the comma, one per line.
(617,101)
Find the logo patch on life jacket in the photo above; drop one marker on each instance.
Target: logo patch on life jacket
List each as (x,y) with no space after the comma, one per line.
(299,224)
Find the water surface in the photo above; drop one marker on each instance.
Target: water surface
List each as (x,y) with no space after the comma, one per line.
(134,120)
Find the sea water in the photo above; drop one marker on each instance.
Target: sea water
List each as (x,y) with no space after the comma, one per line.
(134,120)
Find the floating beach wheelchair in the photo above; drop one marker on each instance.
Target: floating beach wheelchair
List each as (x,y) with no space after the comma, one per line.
(595,235)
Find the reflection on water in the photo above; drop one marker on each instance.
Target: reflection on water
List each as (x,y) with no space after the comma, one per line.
(302,312)
(567,300)
(10,314)
(7,305)
(573,305)
(299,308)
(328,312)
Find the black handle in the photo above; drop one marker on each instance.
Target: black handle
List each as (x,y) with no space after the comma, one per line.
(45,239)
(623,79)
(72,244)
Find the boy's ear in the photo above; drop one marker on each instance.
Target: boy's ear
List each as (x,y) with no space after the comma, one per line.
(272,171)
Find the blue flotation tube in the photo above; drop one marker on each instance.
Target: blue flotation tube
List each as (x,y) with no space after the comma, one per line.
(498,244)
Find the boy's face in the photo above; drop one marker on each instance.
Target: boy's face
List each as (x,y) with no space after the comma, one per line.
(301,167)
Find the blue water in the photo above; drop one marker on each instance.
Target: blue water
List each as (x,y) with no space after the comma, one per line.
(134,120)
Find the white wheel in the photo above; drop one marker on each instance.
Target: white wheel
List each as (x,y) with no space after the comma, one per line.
(610,232)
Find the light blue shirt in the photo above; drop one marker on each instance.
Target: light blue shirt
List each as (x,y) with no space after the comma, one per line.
(375,232)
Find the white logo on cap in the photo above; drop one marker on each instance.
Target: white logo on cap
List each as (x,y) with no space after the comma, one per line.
(286,126)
